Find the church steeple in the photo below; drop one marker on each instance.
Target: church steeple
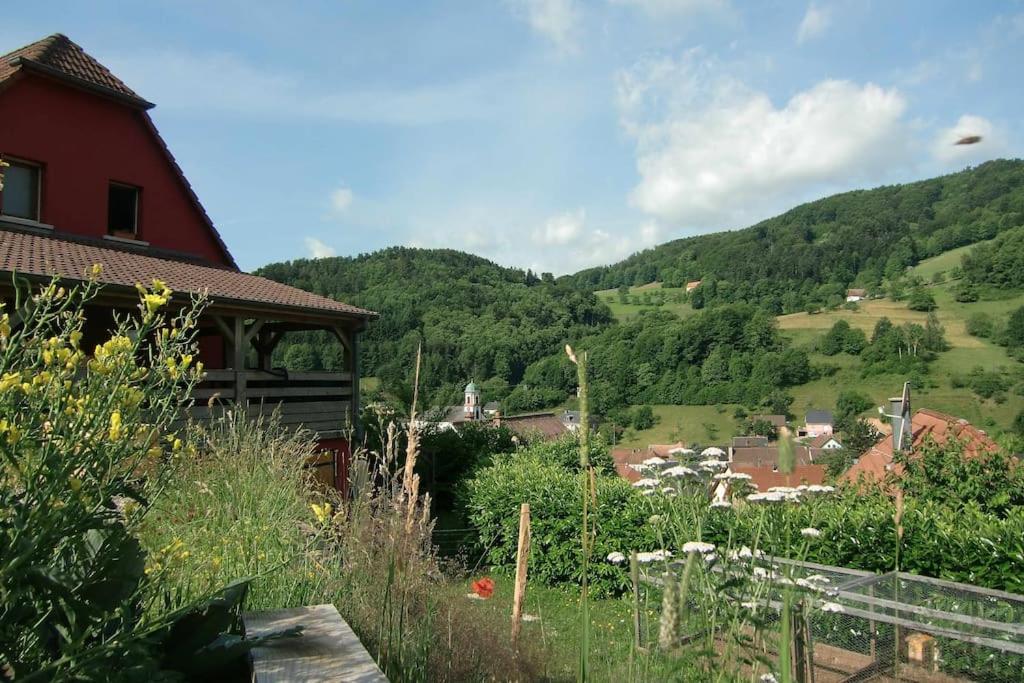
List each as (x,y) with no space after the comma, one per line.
(471,408)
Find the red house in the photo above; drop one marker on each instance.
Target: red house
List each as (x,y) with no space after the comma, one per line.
(91,181)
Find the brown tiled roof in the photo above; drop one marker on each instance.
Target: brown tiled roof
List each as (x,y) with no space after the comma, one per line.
(767,456)
(547,425)
(662,450)
(764,477)
(45,255)
(59,56)
(877,462)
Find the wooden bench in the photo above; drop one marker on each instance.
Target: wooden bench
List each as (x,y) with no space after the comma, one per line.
(327,650)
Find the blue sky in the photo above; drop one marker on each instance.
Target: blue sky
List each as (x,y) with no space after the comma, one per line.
(547,134)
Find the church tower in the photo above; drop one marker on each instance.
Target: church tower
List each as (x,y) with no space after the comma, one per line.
(471,409)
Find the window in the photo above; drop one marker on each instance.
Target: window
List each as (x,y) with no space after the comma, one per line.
(122,210)
(20,196)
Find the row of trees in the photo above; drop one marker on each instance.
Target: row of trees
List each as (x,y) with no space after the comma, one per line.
(727,354)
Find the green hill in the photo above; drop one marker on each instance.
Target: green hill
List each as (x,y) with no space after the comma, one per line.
(813,252)
(474,318)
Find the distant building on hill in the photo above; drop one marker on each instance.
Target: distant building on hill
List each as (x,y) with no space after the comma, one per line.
(854,295)
(817,422)
(692,285)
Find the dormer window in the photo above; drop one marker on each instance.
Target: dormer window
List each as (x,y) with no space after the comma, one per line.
(123,211)
(20,196)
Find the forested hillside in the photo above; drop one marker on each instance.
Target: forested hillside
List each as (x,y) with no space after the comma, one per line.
(475,319)
(809,255)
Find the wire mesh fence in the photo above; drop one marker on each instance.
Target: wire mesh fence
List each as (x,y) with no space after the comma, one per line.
(849,625)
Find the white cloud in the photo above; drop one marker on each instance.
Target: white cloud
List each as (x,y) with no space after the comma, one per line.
(712,151)
(318,249)
(664,7)
(815,22)
(556,20)
(947,151)
(561,229)
(341,199)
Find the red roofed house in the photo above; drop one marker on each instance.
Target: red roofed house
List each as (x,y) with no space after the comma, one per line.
(878,461)
(91,181)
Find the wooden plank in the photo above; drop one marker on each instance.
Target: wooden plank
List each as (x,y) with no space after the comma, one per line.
(275,392)
(286,410)
(327,650)
(284,377)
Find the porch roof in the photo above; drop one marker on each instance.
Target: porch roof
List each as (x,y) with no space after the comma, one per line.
(39,256)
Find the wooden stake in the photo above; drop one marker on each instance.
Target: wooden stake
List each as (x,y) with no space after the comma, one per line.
(522,556)
(634,575)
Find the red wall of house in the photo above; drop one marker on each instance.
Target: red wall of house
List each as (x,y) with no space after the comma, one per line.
(339,448)
(84,142)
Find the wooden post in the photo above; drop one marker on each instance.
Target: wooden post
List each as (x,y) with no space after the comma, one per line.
(522,556)
(238,364)
(634,575)
(354,368)
(799,643)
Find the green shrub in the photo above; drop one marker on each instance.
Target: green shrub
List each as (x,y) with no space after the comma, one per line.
(86,444)
(921,299)
(980,325)
(492,499)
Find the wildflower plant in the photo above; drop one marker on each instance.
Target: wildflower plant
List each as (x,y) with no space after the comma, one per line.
(85,441)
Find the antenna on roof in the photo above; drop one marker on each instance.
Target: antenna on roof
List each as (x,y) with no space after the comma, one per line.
(900,418)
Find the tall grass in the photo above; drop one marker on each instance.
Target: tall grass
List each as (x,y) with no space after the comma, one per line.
(245,506)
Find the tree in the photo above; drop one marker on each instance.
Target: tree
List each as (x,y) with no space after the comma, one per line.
(965,293)
(762,428)
(643,417)
(858,436)
(850,404)
(921,299)
(1013,337)
(300,357)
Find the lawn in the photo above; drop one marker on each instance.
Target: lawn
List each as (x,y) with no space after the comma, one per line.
(690,424)
(966,352)
(557,632)
(625,311)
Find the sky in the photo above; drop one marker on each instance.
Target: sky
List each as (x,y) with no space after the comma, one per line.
(546,134)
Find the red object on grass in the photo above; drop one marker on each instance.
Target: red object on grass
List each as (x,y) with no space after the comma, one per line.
(484,587)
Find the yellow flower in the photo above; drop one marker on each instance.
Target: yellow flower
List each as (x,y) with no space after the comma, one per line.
(74,483)
(115,425)
(96,270)
(322,512)
(9,380)
(154,302)
(5,326)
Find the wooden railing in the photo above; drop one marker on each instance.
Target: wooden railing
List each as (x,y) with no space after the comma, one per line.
(318,401)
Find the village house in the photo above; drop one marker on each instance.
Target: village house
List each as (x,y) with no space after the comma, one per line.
(92,182)
(825,442)
(817,423)
(692,285)
(854,295)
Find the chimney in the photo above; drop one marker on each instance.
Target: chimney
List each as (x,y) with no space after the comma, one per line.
(497,417)
(901,419)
